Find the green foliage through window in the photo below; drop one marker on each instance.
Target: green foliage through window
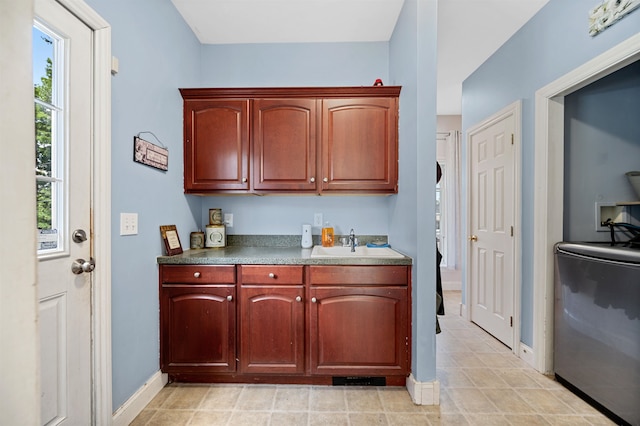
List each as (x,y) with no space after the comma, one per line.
(43,140)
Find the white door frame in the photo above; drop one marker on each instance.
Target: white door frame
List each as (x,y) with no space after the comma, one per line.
(101,209)
(548,188)
(514,109)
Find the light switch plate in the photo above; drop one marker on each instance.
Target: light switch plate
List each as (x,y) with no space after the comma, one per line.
(128,223)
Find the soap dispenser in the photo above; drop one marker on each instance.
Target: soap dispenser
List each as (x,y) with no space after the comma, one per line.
(307,239)
(327,235)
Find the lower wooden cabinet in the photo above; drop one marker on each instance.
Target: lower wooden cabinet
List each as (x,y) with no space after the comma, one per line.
(288,323)
(272,326)
(197,319)
(359,331)
(359,320)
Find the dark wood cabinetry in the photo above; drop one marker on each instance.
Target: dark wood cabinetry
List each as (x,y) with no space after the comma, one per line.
(216,145)
(359,145)
(198,319)
(295,323)
(272,320)
(284,144)
(359,320)
(300,140)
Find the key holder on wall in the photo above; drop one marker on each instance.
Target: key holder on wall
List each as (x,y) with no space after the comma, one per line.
(149,154)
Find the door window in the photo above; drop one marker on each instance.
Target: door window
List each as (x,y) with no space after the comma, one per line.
(48,87)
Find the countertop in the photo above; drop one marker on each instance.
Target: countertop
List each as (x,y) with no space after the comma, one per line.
(248,255)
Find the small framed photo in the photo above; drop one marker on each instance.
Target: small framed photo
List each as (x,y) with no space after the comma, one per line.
(171,239)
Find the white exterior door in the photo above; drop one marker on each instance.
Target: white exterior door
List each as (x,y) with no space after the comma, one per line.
(63,185)
(491,227)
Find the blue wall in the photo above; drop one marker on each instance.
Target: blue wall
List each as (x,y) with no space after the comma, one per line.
(159,54)
(413,65)
(551,44)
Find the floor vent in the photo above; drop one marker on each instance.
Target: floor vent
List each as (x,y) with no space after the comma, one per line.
(359,381)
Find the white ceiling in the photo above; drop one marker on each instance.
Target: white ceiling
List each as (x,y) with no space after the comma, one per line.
(469,31)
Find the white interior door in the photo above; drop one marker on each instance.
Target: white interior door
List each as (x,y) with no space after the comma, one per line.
(63,175)
(491,227)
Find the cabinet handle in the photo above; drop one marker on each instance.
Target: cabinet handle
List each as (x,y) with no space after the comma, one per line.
(244,180)
(312,179)
(325,180)
(229,298)
(272,275)
(196,274)
(314,300)
(298,299)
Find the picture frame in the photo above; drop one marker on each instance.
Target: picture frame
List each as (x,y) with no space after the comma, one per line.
(144,152)
(171,239)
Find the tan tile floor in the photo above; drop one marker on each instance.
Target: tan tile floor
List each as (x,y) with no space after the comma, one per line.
(481,383)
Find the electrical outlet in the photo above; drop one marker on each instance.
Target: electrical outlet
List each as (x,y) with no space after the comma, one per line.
(317,219)
(605,211)
(128,223)
(228,220)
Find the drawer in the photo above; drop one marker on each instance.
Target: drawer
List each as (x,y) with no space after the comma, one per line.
(198,274)
(360,275)
(271,274)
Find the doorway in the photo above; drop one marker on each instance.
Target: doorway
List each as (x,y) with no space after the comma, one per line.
(549,169)
(493,278)
(95,193)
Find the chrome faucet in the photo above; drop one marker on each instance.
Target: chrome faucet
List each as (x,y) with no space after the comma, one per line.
(352,240)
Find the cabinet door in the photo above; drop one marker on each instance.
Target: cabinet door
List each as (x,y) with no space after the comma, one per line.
(360,145)
(216,145)
(272,329)
(359,331)
(284,144)
(197,329)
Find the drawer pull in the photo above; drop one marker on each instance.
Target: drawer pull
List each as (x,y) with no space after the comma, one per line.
(272,275)
(314,300)
(298,299)
(229,298)
(196,274)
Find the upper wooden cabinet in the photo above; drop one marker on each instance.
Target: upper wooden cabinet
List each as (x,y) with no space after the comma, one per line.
(360,144)
(284,144)
(293,140)
(216,145)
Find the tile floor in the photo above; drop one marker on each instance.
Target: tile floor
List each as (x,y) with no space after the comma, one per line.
(481,383)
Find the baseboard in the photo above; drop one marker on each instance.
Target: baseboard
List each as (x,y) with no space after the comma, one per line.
(143,396)
(463,311)
(423,393)
(527,355)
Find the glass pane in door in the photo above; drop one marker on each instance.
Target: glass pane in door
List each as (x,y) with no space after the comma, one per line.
(49,139)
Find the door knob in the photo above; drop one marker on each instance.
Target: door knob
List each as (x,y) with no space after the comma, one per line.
(473,238)
(80,265)
(79,236)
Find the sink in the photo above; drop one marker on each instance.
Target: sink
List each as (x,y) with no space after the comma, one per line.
(361,251)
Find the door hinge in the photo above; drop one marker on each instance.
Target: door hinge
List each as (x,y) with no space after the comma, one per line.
(510,321)
(512,138)
(512,231)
